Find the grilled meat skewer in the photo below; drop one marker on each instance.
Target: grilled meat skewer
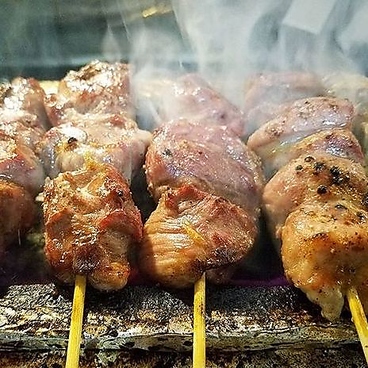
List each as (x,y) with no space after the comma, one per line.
(203,174)
(316,203)
(23,122)
(91,154)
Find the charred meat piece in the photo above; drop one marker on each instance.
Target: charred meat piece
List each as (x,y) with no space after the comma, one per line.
(265,94)
(168,253)
(112,139)
(212,158)
(297,121)
(97,88)
(314,177)
(207,177)
(91,226)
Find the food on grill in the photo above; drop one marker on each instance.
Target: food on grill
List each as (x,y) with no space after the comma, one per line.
(112,139)
(273,140)
(91,153)
(189,97)
(316,204)
(267,93)
(204,175)
(91,223)
(97,88)
(22,123)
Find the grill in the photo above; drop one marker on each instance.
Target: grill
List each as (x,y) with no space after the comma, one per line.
(252,323)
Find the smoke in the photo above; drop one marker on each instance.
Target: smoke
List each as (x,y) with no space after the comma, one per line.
(228,41)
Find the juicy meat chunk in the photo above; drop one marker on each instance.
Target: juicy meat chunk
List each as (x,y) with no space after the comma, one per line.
(212,158)
(91,226)
(336,142)
(22,123)
(325,251)
(315,177)
(22,126)
(25,95)
(172,258)
(266,93)
(191,97)
(18,213)
(19,165)
(112,139)
(97,88)
(300,119)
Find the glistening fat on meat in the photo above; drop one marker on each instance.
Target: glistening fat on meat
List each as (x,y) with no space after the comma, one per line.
(206,175)
(91,155)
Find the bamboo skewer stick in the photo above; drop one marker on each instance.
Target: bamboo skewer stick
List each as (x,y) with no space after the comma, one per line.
(199,323)
(359,318)
(75,333)
(199,307)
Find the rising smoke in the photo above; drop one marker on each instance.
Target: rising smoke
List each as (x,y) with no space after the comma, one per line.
(228,41)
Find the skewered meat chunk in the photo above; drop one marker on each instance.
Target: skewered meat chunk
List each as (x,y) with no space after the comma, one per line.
(91,154)
(212,158)
(112,139)
(20,165)
(266,94)
(205,176)
(316,203)
(313,177)
(22,123)
(91,225)
(27,96)
(168,254)
(297,121)
(97,88)
(325,252)
(189,97)
(18,213)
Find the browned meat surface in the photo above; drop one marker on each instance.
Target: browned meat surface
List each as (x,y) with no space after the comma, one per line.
(18,213)
(299,120)
(336,142)
(22,123)
(25,95)
(265,94)
(91,226)
(212,158)
(169,255)
(314,177)
(19,165)
(204,176)
(112,139)
(97,88)
(91,154)
(325,251)
(317,208)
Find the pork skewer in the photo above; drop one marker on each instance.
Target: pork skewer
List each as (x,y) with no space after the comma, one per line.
(320,223)
(191,168)
(23,122)
(91,154)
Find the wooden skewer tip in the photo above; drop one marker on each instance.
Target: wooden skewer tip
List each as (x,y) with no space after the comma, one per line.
(75,333)
(359,318)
